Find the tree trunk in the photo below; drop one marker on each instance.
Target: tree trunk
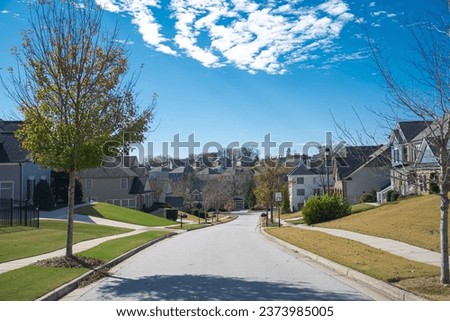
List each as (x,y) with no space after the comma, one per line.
(70,209)
(444,236)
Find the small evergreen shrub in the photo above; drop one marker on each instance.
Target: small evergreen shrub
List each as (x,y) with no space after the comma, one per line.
(43,196)
(325,208)
(368,198)
(171,214)
(393,197)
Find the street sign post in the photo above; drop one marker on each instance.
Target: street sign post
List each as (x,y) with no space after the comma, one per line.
(278,199)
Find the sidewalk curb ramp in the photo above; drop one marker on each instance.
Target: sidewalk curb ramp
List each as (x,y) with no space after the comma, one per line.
(65,289)
(384,288)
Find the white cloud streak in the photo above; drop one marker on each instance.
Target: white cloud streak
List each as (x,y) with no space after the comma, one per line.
(244,33)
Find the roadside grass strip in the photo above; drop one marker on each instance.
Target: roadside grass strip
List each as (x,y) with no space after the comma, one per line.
(111,249)
(17,243)
(32,282)
(376,263)
(414,221)
(122,214)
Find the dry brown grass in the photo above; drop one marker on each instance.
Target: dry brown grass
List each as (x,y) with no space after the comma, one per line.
(418,278)
(414,221)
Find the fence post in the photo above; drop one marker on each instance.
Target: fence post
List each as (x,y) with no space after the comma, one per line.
(37,214)
(11,212)
(26,214)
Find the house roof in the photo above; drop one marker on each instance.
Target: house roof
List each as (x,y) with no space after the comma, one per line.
(160,169)
(108,172)
(411,129)
(359,156)
(303,170)
(140,186)
(175,201)
(10,147)
(182,170)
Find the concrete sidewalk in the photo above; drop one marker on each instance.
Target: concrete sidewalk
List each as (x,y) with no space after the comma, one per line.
(61,214)
(391,246)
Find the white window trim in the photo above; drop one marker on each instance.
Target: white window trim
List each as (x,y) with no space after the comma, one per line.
(126,184)
(91,186)
(12,188)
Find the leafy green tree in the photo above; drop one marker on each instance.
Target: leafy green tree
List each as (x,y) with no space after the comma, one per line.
(271,177)
(250,197)
(285,203)
(74,92)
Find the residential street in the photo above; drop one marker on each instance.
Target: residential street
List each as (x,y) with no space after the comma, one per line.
(225,262)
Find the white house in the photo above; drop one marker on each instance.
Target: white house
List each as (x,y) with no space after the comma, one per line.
(305,182)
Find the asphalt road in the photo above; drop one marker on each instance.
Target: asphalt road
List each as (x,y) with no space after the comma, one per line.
(227,262)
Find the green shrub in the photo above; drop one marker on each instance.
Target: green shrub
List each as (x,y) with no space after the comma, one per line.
(43,196)
(393,196)
(367,198)
(171,214)
(325,208)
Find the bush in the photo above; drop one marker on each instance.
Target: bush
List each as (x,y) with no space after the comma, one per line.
(394,196)
(43,196)
(367,198)
(171,214)
(325,208)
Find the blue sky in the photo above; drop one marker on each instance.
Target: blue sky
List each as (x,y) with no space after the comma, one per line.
(237,70)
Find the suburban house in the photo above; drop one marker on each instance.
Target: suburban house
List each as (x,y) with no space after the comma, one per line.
(306,181)
(413,158)
(120,182)
(18,174)
(361,169)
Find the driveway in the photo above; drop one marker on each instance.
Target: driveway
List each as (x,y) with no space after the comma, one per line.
(228,262)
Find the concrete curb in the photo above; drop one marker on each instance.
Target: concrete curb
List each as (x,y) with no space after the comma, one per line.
(384,288)
(65,289)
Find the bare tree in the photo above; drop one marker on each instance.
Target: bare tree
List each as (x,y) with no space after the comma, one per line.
(426,96)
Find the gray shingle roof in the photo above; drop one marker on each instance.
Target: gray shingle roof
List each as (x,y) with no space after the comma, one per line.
(411,129)
(10,147)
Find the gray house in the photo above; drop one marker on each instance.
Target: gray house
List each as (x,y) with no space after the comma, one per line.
(18,174)
(360,169)
(120,182)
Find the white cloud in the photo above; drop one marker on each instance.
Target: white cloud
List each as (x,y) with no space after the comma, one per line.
(143,18)
(4,11)
(372,4)
(248,34)
(378,13)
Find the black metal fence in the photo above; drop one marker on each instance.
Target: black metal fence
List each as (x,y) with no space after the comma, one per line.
(18,213)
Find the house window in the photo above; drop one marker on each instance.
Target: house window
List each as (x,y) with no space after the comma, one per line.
(300,192)
(6,190)
(123,183)
(89,184)
(396,155)
(300,180)
(317,191)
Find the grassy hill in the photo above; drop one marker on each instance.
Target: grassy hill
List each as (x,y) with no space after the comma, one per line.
(122,214)
(414,221)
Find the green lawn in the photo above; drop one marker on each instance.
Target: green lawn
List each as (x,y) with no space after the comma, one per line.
(114,248)
(414,221)
(122,214)
(368,260)
(20,242)
(31,282)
